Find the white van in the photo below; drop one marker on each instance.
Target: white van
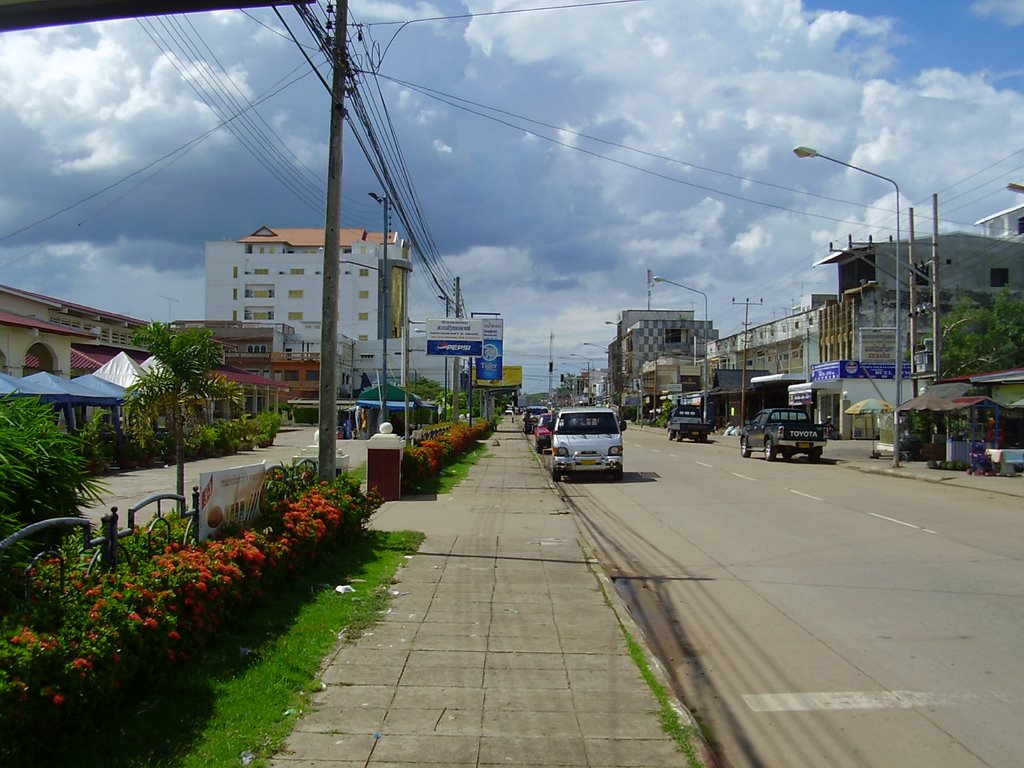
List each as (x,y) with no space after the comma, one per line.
(587,440)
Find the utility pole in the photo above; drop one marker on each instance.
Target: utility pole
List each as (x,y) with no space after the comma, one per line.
(328,424)
(936,295)
(743,373)
(913,303)
(456,361)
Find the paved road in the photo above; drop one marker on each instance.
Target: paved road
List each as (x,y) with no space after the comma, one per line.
(811,615)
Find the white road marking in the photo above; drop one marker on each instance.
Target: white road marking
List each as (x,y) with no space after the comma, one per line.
(836,700)
(701,463)
(805,495)
(894,520)
(743,477)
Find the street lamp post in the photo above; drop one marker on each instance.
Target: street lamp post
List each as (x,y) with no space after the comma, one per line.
(385,312)
(704,335)
(809,152)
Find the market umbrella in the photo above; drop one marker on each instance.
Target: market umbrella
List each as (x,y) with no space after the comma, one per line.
(869,405)
(929,401)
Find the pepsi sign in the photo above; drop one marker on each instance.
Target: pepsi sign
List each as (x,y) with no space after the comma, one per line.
(454,348)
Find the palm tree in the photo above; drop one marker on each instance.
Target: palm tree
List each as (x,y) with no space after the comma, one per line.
(179,385)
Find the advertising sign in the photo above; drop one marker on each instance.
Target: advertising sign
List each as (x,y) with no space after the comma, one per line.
(512,376)
(877,345)
(488,365)
(455,336)
(229,496)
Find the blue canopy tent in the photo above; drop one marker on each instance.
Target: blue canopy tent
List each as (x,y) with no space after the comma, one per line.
(65,393)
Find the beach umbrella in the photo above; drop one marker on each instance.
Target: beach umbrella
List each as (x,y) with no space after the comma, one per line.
(929,402)
(869,405)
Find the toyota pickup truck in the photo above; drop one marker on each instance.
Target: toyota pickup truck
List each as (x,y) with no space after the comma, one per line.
(782,432)
(686,421)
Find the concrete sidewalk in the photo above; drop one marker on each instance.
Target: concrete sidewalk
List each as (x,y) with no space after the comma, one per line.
(501,646)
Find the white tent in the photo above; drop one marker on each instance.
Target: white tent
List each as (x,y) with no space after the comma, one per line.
(121,370)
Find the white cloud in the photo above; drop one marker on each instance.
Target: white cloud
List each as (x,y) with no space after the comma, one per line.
(1008,12)
(441,147)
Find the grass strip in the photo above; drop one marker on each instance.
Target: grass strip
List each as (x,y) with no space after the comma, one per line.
(667,713)
(453,474)
(242,694)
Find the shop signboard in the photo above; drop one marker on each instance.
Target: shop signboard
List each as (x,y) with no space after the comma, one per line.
(854,369)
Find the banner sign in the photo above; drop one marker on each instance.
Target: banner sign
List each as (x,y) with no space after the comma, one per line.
(853,369)
(229,496)
(455,336)
(488,365)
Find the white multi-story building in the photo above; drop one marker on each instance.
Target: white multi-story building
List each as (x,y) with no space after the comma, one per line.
(275,277)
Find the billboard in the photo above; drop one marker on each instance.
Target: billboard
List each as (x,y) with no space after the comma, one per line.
(488,365)
(512,377)
(455,337)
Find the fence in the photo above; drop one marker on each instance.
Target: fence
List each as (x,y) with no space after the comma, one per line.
(105,547)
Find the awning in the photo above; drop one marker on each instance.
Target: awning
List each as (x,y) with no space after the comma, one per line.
(777,378)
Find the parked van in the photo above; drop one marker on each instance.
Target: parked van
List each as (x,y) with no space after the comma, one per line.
(587,440)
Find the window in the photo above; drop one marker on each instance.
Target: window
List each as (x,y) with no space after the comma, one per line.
(296,271)
(313,375)
(364,337)
(261,270)
(998,277)
(364,294)
(294,315)
(364,272)
(234,294)
(673,335)
(291,375)
(234,271)
(295,294)
(1020,226)
(364,315)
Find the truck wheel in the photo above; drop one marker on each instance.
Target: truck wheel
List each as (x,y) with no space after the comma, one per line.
(555,474)
(814,456)
(744,448)
(617,475)
(769,450)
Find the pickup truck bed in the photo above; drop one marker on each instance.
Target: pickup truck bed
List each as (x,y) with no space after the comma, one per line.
(686,421)
(782,432)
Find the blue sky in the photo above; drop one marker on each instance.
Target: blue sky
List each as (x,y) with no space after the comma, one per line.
(622,137)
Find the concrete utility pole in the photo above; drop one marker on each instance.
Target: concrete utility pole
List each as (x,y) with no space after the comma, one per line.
(327,431)
(913,301)
(456,361)
(936,294)
(743,373)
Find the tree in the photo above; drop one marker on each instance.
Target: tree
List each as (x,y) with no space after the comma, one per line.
(179,386)
(976,339)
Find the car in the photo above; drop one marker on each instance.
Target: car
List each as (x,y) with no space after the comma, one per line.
(587,440)
(542,432)
(510,411)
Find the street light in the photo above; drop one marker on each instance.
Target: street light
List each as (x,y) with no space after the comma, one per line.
(385,313)
(808,152)
(382,292)
(704,334)
(1015,186)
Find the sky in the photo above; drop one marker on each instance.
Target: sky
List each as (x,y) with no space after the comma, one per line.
(551,157)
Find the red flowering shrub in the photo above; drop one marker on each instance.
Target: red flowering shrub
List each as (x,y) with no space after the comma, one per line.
(70,653)
(425,460)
